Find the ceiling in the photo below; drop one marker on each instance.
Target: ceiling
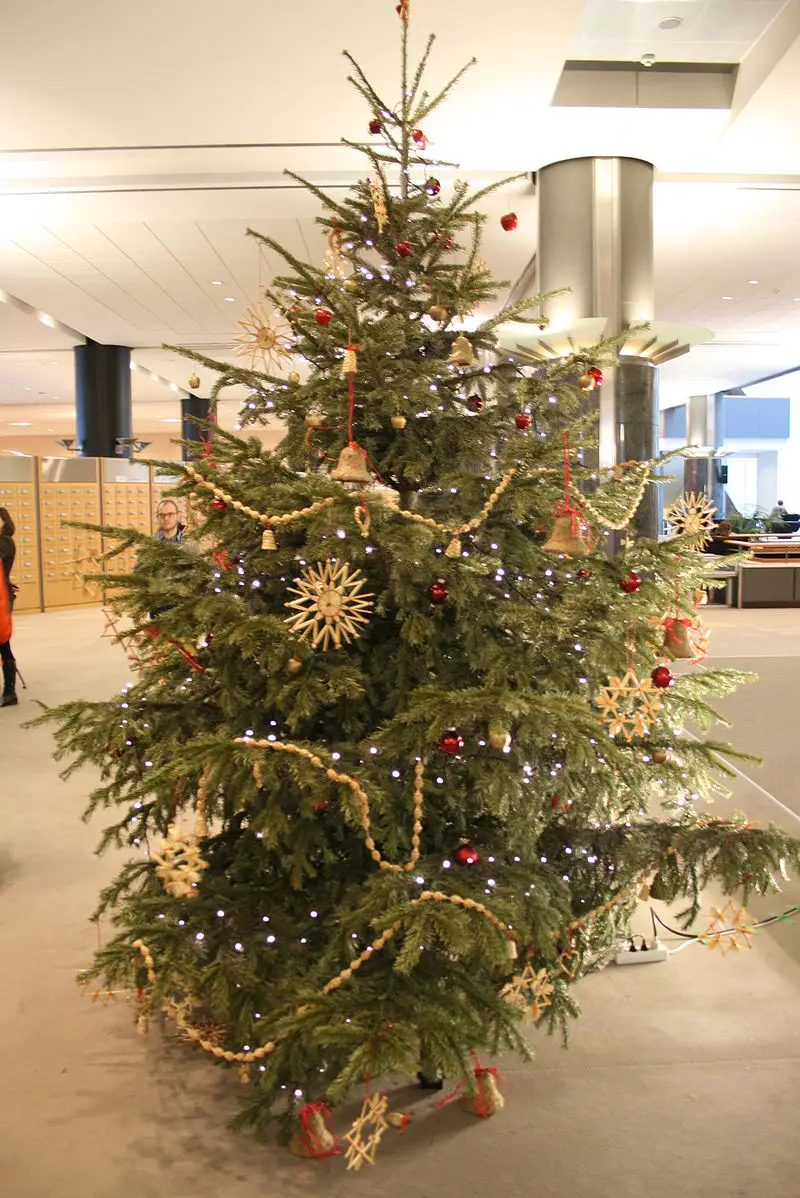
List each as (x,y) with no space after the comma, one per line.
(134,164)
(673,30)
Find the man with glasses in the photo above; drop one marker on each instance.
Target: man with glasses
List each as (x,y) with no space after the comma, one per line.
(169,528)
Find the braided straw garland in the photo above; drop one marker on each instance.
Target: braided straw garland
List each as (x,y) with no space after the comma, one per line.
(360,796)
(455,533)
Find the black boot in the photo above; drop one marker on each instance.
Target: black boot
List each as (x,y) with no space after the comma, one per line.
(9,695)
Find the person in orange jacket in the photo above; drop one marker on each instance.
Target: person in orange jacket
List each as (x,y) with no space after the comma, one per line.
(7,554)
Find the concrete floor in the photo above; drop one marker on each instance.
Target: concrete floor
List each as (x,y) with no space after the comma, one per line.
(682,1079)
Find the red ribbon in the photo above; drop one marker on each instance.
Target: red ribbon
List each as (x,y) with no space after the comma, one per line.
(309,1139)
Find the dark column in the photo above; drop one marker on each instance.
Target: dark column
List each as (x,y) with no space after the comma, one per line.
(596,238)
(194,407)
(636,396)
(102,400)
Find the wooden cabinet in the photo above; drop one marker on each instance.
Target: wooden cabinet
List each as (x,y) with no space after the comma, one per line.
(68,491)
(126,504)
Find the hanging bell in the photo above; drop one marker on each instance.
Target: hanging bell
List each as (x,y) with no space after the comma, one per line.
(461,352)
(352,466)
(268,539)
(566,536)
(454,547)
(676,640)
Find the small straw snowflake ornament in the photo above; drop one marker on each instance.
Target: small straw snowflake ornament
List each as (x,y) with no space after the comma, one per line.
(264,339)
(529,991)
(730,929)
(628,704)
(692,515)
(331,605)
(179,864)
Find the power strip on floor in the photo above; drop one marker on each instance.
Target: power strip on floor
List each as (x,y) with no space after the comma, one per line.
(650,951)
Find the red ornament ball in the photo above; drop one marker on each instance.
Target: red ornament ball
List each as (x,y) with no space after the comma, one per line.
(402,249)
(661,677)
(375,125)
(433,186)
(596,374)
(451,742)
(322,316)
(475,402)
(509,221)
(437,592)
(583,573)
(152,631)
(522,420)
(217,505)
(419,137)
(631,583)
(465,854)
(445,240)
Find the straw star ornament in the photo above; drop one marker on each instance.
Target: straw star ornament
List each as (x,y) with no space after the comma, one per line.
(331,605)
(362,1147)
(264,338)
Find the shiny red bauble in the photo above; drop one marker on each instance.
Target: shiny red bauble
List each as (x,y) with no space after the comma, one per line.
(433,186)
(322,316)
(509,221)
(152,631)
(631,583)
(218,505)
(522,420)
(465,854)
(583,573)
(451,742)
(402,249)
(596,374)
(419,137)
(445,240)
(661,677)
(475,402)
(437,592)
(375,125)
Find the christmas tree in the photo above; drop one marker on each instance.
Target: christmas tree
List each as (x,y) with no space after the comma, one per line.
(403,749)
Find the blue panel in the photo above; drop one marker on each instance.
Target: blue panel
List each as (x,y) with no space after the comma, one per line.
(751,419)
(675,422)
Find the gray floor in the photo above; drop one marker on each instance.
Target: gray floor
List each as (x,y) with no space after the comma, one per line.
(682,1079)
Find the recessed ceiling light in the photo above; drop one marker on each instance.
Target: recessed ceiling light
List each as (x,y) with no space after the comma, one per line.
(48,320)
(229,299)
(154,377)
(21,423)
(134,366)
(752,282)
(727,297)
(670,23)
(797,299)
(170,420)
(55,363)
(216,282)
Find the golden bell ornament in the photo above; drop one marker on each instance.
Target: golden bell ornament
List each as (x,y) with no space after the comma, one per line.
(294,665)
(293,377)
(314,420)
(586,382)
(676,641)
(438,312)
(398,420)
(566,536)
(268,539)
(352,466)
(194,382)
(660,757)
(462,353)
(350,286)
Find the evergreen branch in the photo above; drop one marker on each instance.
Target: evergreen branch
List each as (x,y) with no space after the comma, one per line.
(424,110)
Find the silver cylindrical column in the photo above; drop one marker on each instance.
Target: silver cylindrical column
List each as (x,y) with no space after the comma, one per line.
(596,238)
